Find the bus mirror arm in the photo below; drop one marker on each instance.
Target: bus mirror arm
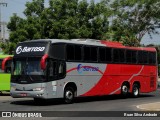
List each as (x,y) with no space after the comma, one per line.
(4,62)
(43,61)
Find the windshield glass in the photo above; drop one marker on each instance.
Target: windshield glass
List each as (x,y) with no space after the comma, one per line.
(27,66)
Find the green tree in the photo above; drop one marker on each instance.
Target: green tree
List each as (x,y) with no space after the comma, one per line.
(77,19)
(132,19)
(33,13)
(16,34)
(63,19)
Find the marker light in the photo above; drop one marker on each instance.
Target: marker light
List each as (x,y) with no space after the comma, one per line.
(43,61)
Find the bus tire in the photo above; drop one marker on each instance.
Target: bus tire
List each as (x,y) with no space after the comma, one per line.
(135,90)
(124,90)
(69,95)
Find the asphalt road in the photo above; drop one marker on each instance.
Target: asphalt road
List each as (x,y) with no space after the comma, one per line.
(105,103)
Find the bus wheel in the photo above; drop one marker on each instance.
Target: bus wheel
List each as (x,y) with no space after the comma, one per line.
(68,95)
(124,90)
(135,90)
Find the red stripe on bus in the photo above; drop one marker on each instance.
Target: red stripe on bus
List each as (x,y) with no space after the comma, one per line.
(72,69)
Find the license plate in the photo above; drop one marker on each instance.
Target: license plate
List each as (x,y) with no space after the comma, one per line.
(23,94)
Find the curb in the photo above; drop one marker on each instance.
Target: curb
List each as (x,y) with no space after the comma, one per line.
(150,106)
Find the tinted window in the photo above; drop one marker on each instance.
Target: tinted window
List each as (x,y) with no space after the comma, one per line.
(102,54)
(131,56)
(90,53)
(145,56)
(74,52)
(87,54)
(134,56)
(115,55)
(121,55)
(152,58)
(58,51)
(118,55)
(128,56)
(108,54)
(140,57)
(93,54)
(70,52)
(78,52)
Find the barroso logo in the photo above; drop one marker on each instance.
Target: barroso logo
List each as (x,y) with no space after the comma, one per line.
(29,49)
(19,50)
(81,68)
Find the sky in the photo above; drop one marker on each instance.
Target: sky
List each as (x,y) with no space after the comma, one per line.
(18,6)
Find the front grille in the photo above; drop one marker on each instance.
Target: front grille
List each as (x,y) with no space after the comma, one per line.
(23,90)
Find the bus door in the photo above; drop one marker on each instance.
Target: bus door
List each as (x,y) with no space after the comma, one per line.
(56,71)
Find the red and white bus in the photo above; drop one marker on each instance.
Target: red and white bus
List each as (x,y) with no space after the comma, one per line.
(53,68)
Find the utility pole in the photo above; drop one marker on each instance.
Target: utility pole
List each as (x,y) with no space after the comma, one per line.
(2,4)
(4,30)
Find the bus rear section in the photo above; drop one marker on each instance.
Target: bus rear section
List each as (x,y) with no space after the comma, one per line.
(5,72)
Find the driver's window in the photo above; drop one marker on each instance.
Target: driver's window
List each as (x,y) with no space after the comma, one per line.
(56,70)
(61,69)
(51,69)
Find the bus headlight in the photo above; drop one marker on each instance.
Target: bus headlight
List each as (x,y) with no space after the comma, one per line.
(38,89)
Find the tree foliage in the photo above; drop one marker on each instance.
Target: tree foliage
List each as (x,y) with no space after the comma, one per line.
(132,19)
(126,21)
(62,19)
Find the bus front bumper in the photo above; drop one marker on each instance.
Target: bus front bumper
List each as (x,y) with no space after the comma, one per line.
(28,94)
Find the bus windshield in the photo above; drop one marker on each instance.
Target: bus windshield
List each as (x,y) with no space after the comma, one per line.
(27,66)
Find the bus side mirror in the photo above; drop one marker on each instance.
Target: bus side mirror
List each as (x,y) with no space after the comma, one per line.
(5,61)
(43,61)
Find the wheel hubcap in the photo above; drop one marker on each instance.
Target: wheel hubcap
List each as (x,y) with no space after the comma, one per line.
(135,91)
(125,89)
(69,95)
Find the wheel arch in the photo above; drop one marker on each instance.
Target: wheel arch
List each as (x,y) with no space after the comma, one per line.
(72,85)
(126,83)
(138,83)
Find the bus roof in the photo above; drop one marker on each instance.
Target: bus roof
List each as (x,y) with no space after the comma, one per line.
(93,42)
